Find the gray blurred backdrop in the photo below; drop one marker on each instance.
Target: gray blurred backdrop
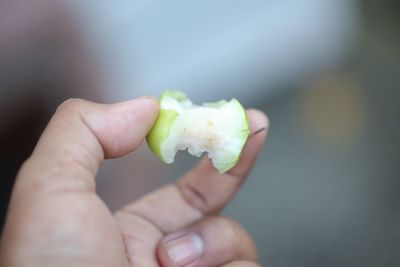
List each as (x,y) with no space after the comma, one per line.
(325,191)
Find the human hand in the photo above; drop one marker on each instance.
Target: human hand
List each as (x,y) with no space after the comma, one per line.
(55,217)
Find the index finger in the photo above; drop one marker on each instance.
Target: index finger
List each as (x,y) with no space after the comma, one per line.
(201,191)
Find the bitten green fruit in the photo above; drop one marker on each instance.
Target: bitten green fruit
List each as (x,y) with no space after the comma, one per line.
(220,128)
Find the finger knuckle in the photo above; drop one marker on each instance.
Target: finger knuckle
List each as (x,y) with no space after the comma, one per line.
(70,105)
(193,197)
(230,228)
(240,242)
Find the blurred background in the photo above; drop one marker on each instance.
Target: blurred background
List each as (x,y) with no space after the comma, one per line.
(326,189)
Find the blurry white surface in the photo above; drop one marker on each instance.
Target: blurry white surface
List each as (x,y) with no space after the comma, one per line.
(214,49)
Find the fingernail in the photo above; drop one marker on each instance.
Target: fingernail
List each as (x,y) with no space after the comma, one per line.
(184,249)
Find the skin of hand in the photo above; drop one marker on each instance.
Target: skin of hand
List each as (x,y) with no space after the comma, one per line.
(55,217)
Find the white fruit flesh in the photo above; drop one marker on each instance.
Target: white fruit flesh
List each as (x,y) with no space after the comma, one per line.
(221,129)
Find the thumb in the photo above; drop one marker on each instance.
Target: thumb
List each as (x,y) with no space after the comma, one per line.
(78,137)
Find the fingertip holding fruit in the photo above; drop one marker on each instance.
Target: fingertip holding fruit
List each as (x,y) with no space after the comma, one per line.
(221,129)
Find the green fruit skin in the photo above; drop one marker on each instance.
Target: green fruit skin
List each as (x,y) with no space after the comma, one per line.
(226,166)
(160,130)
(165,119)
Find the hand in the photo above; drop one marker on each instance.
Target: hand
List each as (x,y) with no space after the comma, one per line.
(55,217)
